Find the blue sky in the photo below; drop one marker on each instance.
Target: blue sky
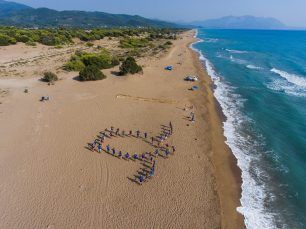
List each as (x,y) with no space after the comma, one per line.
(291,12)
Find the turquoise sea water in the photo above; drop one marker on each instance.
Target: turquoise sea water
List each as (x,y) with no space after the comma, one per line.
(260,83)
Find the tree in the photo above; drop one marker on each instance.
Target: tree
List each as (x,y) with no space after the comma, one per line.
(50,77)
(130,66)
(91,73)
(6,40)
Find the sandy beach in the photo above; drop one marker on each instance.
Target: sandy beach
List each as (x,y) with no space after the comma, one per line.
(49,179)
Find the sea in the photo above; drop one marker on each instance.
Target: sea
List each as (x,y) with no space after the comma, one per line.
(260,83)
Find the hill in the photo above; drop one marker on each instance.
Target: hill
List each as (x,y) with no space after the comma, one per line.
(243,22)
(7,8)
(15,14)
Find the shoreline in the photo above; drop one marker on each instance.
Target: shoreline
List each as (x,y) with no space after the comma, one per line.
(227,172)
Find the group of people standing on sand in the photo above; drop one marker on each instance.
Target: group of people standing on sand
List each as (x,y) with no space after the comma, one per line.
(163,150)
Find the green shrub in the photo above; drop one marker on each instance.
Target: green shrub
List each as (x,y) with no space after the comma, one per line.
(50,77)
(115,61)
(75,65)
(23,38)
(130,66)
(6,40)
(89,44)
(91,73)
(30,43)
(169,43)
(48,40)
(102,60)
(134,43)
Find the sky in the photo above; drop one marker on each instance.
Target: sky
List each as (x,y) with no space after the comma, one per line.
(290,12)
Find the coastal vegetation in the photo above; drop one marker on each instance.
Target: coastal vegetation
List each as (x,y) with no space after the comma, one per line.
(128,42)
(102,60)
(91,73)
(49,77)
(129,66)
(130,37)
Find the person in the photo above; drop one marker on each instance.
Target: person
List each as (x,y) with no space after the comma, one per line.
(140,179)
(107,148)
(151,173)
(120,154)
(112,128)
(99,148)
(114,151)
(156,152)
(137,132)
(145,135)
(123,133)
(131,132)
(135,156)
(167,152)
(173,149)
(127,155)
(193,118)
(171,127)
(152,140)
(143,156)
(117,131)
(94,144)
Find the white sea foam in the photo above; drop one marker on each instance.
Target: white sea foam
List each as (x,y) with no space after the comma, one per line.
(288,83)
(253,193)
(196,33)
(251,66)
(238,61)
(236,51)
(292,78)
(281,85)
(211,40)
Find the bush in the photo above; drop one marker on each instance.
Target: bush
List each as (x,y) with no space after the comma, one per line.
(23,38)
(102,60)
(30,43)
(91,73)
(6,40)
(89,44)
(49,77)
(134,43)
(75,65)
(115,61)
(49,40)
(130,66)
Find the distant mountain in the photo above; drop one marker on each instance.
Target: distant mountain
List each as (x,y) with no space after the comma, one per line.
(6,8)
(15,14)
(243,22)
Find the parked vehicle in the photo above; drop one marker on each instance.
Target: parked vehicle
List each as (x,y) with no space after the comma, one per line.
(191,78)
